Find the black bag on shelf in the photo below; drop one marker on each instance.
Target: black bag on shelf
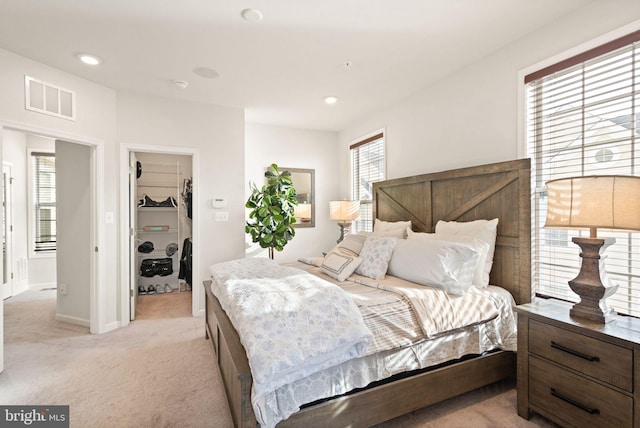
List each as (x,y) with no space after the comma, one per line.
(153,267)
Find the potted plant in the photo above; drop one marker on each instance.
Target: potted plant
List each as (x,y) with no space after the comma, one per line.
(272,207)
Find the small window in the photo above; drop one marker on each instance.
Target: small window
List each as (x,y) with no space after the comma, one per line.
(44,202)
(367,167)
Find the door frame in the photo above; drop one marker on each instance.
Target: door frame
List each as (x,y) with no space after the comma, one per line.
(125,285)
(97,291)
(7,210)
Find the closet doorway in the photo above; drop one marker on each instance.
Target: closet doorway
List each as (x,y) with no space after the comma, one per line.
(161,231)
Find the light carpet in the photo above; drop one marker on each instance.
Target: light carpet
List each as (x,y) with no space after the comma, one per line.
(159,372)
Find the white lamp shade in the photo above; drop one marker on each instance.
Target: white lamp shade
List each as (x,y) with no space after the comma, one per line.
(303,211)
(344,211)
(602,201)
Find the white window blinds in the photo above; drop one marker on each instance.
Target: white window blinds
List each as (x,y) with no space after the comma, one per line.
(44,203)
(583,118)
(367,167)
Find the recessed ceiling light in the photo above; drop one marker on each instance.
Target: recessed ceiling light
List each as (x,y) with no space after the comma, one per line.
(331,99)
(251,15)
(206,72)
(89,59)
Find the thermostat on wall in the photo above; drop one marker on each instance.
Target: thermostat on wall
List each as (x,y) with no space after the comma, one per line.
(219,203)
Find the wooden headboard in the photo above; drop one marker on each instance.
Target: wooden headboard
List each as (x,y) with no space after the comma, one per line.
(500,190)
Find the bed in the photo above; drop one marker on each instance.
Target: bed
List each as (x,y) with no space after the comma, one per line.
(500,190)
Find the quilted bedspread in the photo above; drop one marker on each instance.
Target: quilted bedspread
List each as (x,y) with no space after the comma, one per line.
(291,323)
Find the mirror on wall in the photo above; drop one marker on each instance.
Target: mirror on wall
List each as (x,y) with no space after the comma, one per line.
(304,183)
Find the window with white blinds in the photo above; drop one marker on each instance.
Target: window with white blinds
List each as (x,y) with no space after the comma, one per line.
(583,118)
(367,167)
(44,201)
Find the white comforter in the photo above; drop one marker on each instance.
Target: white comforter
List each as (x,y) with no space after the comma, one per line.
(291,323)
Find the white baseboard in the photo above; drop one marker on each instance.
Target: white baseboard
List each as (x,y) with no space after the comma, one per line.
(73,320)
(42,285)
(111,326)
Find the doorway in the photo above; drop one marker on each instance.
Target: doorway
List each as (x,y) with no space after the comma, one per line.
(160,232)
(26,262)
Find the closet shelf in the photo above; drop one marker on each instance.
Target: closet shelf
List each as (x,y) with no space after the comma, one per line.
(158,209)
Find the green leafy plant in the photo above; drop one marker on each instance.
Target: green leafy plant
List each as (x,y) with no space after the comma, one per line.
(272,213)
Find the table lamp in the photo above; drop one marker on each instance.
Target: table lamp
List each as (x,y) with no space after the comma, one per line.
(344,212)
(303,212)
(602,201)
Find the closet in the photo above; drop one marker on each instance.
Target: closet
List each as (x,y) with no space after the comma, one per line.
(163,223)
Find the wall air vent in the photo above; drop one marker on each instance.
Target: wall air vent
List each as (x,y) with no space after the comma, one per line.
(49,99)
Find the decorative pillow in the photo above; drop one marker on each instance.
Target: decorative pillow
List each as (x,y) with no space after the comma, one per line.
(397,229)
(339,266)
(483,230)
(376,253)
(313,261)
(351,245)
(444,264)
(479,279)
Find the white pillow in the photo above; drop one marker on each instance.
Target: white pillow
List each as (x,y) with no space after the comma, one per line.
(397,229)
(339,266)
(483,230)
(479,279)
(351,245)
(448,265)
(376,253)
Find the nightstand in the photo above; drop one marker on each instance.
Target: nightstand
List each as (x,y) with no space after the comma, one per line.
(576,372)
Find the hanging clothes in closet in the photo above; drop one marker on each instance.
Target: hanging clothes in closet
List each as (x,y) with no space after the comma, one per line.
(185,262)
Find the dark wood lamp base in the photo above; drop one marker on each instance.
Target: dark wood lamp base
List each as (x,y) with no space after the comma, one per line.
(592,284)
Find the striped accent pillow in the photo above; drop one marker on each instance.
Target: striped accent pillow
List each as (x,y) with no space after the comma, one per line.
(351,245)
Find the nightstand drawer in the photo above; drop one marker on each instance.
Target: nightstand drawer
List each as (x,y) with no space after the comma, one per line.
(575,399)
(604,361)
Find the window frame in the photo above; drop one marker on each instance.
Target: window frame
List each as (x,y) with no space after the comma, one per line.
(367,204)
(31,205)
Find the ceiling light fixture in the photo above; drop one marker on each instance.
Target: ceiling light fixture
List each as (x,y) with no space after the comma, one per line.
(251,15)
(89,59)
(180,84)
(331,99)
(206,72)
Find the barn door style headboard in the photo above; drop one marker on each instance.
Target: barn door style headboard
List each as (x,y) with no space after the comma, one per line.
(500,190)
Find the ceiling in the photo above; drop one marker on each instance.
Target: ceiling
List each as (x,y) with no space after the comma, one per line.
(278,69)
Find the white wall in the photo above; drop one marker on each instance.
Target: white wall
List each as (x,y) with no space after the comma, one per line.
(217,135)
(295,148)
(471,117)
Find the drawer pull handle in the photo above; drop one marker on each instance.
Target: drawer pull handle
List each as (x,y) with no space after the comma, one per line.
(575,353)
(581,406)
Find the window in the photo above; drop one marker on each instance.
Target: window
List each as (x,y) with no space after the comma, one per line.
(583,118)
(367,167)
(44,201)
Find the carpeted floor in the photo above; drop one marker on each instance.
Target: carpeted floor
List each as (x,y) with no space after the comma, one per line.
(159,372)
